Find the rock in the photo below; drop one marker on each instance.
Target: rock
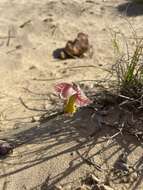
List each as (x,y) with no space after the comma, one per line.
(105,187)
(76,48)
(6,148)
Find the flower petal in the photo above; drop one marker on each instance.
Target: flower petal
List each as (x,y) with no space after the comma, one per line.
(59,87)
(65,90)
(82,101)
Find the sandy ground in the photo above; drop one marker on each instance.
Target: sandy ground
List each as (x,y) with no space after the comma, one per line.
(29,70)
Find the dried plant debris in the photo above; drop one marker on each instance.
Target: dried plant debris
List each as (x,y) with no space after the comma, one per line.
(121,167)
(120,116)
(91,179)
(123,171)
(77,48)
(5,148)
(89,182)
(94,182)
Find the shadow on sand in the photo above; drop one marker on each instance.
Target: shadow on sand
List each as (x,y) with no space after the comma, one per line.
(131,9)
(88,137)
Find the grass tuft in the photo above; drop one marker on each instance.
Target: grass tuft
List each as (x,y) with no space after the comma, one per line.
(128,69)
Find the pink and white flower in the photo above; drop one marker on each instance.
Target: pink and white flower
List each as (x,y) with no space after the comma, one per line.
(65,90)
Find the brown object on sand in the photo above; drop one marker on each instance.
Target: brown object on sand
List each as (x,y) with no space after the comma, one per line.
(5,148)
(76,48)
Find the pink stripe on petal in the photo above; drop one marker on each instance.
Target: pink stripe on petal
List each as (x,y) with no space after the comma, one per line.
(65,90)
(82,101)
(59,87)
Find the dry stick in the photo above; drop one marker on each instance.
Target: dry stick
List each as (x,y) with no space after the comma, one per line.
(126,97)
(54,29)
(9,36)
(39,94)
(32,109)
(43,118)
(115,135)
(52,79)
(123,129)
(107,77)
(5,185)
(17,47)
(129,100)
(89,162)
(87,66)
(25,23)
(50,116)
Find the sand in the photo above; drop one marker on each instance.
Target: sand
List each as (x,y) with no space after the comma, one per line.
(30,31)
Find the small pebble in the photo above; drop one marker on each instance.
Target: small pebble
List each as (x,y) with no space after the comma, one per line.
(18,46)
(71,153)
(48,20)
(32,67)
